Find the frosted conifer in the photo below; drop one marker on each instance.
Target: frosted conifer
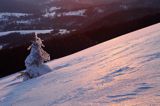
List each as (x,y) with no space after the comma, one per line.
(35,59)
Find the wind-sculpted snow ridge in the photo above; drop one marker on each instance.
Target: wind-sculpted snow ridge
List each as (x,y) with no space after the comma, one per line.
(124,71)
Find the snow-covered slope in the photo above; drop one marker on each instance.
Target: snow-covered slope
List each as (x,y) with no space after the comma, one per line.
(124,71)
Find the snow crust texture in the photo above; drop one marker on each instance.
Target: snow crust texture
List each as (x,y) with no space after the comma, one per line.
(124,71)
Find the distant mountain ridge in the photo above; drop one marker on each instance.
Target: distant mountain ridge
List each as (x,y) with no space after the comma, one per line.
(32,5)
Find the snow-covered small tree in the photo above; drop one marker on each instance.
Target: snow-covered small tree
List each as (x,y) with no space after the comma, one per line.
(35,59)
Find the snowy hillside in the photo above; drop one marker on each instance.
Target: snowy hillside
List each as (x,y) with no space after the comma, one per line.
(121,72)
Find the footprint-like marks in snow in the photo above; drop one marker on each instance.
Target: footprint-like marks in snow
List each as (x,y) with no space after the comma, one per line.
(120,70)
(74,95)
(142,87)
(151,57)
(117,72)
(157,95)
(122,97)
(60,67)
(124,49)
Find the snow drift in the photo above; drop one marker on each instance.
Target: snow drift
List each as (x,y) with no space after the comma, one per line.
(124,71)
